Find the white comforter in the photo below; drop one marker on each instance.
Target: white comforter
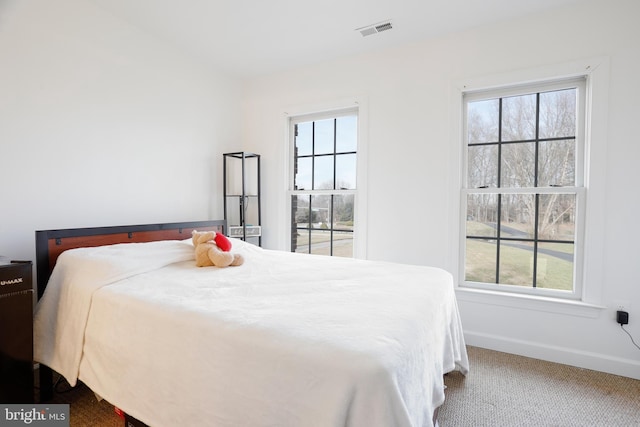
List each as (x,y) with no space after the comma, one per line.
(284,340)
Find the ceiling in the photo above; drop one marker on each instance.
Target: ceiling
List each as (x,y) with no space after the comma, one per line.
(256,37)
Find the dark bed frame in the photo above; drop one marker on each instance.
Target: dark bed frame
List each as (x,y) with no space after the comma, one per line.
(51,243)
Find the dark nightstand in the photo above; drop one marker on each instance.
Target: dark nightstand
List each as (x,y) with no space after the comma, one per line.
(16,332)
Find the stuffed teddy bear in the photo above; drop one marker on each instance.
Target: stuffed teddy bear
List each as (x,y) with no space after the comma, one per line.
(212,249)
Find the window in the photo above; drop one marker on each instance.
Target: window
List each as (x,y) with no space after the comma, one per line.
(323,186)
(523,195)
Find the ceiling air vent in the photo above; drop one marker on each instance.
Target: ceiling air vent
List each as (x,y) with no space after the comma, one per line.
(375,28)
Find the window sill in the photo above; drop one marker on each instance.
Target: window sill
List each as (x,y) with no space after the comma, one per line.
(530,302)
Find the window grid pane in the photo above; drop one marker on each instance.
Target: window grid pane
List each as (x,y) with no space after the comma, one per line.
(481,260)
(323,224)
(523,141)
(324,165)
(530,153)
(323,137)
(323,174)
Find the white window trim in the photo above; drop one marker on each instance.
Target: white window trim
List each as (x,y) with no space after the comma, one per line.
(596,71)
(296,113)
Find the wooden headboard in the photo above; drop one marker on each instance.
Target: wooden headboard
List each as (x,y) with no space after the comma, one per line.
(51,243)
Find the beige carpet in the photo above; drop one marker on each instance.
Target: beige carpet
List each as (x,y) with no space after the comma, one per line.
(501,390)
(507,390)
(84,407)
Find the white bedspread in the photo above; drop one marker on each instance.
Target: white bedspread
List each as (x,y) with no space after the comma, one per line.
(284,340)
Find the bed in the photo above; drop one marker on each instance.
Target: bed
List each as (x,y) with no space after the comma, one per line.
(284,340)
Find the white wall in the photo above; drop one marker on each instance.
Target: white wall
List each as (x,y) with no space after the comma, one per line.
(408,94)
(101,124)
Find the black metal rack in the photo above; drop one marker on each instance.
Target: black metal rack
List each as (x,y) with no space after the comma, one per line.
(242,204)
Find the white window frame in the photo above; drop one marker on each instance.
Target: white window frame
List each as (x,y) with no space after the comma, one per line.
(578,189)
(299,114)
(587,302)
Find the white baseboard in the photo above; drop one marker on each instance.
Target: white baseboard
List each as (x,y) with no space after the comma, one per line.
(567,356)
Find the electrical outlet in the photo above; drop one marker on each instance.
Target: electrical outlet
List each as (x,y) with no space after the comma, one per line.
(621,305)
